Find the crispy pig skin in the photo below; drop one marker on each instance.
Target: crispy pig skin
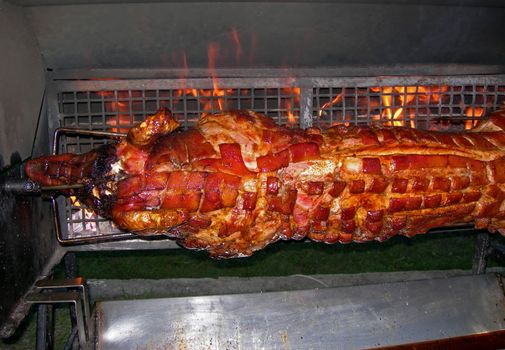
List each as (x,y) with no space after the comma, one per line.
(237,181)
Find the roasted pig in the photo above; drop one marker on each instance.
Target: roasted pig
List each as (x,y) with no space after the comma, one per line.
(237,181)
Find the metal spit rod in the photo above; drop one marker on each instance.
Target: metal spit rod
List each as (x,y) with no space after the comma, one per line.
(84,132)
(28,187)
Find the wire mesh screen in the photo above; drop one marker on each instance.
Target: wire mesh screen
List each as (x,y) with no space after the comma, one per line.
(116,110)
(433,106)
(429,107)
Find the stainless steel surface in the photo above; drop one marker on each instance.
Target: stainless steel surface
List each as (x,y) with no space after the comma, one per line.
(329,318)
(114,289)
(478,3)
(101,109)
(272,34)
(27,242)
(355,70)
(69,297)
(127,241)
(19,103)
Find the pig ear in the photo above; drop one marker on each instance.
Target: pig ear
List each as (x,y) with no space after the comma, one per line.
(148,131)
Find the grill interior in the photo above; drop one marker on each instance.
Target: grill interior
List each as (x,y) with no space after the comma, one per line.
(443,104)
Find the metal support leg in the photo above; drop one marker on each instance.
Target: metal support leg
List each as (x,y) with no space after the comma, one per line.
(70,266)
(77,283)
(481,253)
(71,297)
(70,263)
(69,345)
(45,327)
(78,299)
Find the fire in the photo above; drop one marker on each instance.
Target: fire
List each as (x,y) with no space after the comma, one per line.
(397,100)
(216,99)
(212,53)
(203,100)
(210,99)
(473,112)
(75,201)
(84,217)
(335,100)
(238,47)
(291,100)
(404,106)
(291,116)
(122,121)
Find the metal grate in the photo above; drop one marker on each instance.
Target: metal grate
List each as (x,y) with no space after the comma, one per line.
(118,110)
(428,107)
(433,103)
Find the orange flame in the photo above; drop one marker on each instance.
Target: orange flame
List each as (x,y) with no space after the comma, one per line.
(75,201)
(473,112)
(335,100)
(401,105)
(185,69)
(291,116)
(399,102)
(289,103)
(238,47)
(119,107)
(435,96)
(212,53)
(208,100)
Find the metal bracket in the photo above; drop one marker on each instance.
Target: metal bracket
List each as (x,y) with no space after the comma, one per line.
(54,203)
(46,293)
